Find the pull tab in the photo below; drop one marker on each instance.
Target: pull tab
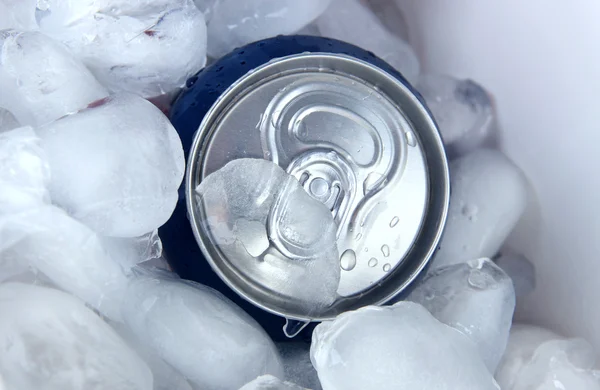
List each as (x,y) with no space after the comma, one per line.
(293,327)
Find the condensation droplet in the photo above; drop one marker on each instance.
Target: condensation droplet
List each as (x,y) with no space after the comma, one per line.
(358,236)
(372,181)
(394,221)
(385,250)
(387,267)
(348,260)
(410,138)
(372,262)
(366,249)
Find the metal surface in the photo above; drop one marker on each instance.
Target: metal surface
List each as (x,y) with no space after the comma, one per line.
(357,140)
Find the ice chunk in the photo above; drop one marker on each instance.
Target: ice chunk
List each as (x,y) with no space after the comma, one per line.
(7,120)
(200,333)
(476,298)
(116,167)
(68,253)
(520,270)
(264,222)
(269,382)
(18,14)
(390,15)
(52,341)
(522,344)
(395,347)
(489,195)
(235,23)
(353,22)
(41,80)
(463,111)
(538,359)
(297,365)
(24,172)
(145,47)
(132,251)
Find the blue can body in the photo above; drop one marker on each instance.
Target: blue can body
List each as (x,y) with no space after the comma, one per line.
(189,109)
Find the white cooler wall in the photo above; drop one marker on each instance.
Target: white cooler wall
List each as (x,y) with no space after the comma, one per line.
(541,61)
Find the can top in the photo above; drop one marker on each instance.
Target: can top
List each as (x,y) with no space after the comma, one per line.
(358,140)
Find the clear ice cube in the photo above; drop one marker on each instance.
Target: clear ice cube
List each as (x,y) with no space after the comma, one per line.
(297,365)
(253,205)
(269,382)
(41,81)
(199,332)
(52,341)
(147,47)
(463,111)
(477,298)
(520,270)
(489,195)
(400,347)
(68,253)
(116,166)
(132,251)
(235,23)
(24,172)
(353,22)
(538,359)
(7,120)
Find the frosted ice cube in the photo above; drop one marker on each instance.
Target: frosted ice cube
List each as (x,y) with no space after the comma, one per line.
(520,270)
(269,382)
(489,195)
(476,298)
(353,22)
(522,344)
(396,347)
(264,222)
(52,341)
(463,111)
(7,120)
(41,80)
(24,172)
(390,16)
(537,359)
(297,365)
(68,253)
(200,333)
(235,23)
(144,47)
(116,167)
(132,251)
(18,14)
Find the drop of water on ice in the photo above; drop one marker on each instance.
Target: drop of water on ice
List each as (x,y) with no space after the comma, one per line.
(372,262)
(385,250)
(394,222)
(387,267)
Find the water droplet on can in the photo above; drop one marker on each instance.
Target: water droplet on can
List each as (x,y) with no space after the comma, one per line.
(373,180)
(394,221)
(373,262)
(387,267)
(293,327)
(358,236)
(385,250)
(348,260)
(410,138)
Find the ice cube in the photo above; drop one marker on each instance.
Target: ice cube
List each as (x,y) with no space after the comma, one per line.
(477,298)
(19,14)
(297,365)
(396,347)
(353,22)
(200,333)
(52,341)
(235,23)
(269,382)
(69,254)
(264,222)
(390,16)
(560,365)
(7,120)
(24,172)
(145,47)
(523,341)
(116,167)
(520,270)
(463,111)
(489,195)
(132,251)
(41,80)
